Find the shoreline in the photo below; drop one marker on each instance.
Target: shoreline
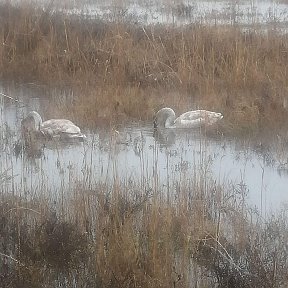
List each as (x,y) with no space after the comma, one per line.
(132,71)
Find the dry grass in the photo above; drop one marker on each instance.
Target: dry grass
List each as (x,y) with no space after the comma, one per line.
(123,69)
(127,232)
(122,233)
(125,237)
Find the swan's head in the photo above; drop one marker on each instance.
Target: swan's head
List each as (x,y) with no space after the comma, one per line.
(31,122)
(164,118)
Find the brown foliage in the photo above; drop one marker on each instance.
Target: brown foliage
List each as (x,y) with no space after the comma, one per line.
(123,69)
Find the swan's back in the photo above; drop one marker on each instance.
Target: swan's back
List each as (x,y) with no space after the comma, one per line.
(198,118)
(197,114)
(165,118)
(61,127)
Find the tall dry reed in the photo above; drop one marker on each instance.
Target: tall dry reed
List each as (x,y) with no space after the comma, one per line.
(120,68)
(122,236)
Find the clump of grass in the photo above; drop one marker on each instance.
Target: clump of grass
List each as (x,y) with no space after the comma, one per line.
(120,235)
(136,70)
(41,244)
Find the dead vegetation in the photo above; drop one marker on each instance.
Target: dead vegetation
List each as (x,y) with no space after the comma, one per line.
(123,234)
(123,69)
(120,237)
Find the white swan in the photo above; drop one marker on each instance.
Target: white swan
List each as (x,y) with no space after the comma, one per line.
(165,118)
(33,127)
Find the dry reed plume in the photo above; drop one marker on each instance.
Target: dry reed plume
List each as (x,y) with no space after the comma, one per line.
(128,70)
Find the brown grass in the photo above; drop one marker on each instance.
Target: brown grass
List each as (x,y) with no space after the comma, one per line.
(123,70)
(125,237)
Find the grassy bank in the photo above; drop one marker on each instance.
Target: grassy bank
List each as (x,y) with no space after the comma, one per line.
(126,236)
(124,70)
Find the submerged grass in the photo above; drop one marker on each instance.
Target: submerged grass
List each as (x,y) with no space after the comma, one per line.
(121,68)
(189,230)
(122,236)
(126,232)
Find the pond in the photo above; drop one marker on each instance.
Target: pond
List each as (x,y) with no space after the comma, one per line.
(184,12)
(211,12)
(255,169)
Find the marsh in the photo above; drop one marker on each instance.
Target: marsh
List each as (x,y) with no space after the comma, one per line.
(132,205)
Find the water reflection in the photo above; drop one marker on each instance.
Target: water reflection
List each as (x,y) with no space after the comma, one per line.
(165,137)
(164,158)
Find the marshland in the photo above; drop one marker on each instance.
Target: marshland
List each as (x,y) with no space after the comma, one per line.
(132,206)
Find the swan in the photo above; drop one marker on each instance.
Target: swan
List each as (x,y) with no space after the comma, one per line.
(166,118)
(34,128)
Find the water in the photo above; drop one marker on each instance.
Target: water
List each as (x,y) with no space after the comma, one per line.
(135,153)
(210,12)
(244,13)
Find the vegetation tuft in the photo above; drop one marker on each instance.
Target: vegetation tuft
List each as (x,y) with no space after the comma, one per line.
(122,238)
(121,70)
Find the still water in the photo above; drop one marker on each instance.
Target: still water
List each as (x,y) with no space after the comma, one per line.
(179,12)
(211,12)
(136,153)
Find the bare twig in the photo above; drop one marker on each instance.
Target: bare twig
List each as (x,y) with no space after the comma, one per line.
(9,97)
(22,208)
(11,258)
(225,255)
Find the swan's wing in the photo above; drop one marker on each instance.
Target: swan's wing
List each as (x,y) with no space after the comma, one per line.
(190,123)
(190,119)
(209,116)
(59,126)
(197,118)
(192,115)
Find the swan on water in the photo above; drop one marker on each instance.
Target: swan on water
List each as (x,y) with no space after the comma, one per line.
(33,127)
(166,118)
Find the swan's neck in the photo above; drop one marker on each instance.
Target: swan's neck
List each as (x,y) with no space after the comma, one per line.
(37,120)
(38,124)
(170,121)
(164,118)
